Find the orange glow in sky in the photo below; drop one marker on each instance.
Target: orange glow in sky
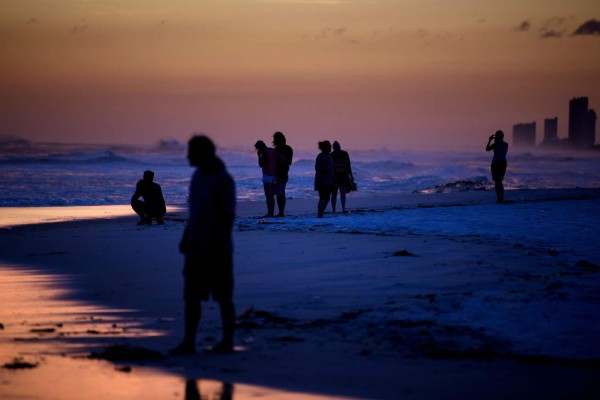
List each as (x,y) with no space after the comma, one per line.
(370,73)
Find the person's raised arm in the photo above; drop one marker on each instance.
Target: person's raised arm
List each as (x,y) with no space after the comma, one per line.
(490,146)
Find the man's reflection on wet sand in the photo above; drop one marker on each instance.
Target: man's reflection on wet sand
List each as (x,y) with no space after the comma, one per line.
(193,391)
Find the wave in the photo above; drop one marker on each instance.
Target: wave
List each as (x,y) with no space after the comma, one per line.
(561,157)
(102,157)
(388,165)
(463,185)
(169,146)
(79,174)
(11,140)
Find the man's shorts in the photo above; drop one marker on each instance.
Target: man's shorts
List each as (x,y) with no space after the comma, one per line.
(208,277)
(269,179)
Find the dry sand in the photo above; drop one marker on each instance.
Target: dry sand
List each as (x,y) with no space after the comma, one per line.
(417,316)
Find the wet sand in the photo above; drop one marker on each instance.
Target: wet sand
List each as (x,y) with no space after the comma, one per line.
(348,314)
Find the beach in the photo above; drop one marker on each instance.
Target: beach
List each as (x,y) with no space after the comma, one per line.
(415,296)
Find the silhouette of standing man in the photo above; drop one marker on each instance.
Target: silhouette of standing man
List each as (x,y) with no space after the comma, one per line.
(153,205)
(323,176)
(282,169)
(207,245)
(342,175)
(499,163)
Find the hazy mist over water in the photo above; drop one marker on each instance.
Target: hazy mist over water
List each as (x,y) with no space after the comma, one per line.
(50,174)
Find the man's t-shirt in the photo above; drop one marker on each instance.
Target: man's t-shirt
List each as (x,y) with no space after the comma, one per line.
(211,205)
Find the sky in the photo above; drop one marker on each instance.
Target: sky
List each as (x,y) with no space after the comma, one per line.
(368,73)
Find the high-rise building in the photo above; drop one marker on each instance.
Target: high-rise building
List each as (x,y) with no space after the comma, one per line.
(524,135)
(582,123)
(551,130)
(590,127)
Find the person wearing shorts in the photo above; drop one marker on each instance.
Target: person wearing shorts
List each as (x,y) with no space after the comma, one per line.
(342,175)
(323,176)
(267,160)
(207,245)
(284,160)
(499,163)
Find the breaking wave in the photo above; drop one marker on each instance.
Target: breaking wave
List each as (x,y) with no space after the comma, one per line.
(33,174)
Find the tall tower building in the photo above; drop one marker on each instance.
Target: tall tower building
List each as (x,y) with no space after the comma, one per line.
(590,127)
(524,135)
(582,123)
(550,130)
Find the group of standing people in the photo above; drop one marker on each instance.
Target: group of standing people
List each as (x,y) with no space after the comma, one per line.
(275,163)
(333,173)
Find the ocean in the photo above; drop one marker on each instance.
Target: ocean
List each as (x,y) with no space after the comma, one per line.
(52,174)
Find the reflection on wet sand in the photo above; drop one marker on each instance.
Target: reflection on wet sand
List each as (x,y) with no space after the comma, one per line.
(211,390)
(45,340)
(214,390)
(37,318)
(14,216)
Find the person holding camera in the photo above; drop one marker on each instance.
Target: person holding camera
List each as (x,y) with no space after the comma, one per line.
(500,148)
(267,160)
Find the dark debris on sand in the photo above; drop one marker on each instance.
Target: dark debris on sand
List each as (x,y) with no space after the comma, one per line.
(19,363)
(128,353)
(403,253)
(410,337)
(256,319)
(588,265)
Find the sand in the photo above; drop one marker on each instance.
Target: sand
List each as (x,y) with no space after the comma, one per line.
(418,297)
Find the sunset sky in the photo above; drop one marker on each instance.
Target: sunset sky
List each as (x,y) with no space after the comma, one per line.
(369,73)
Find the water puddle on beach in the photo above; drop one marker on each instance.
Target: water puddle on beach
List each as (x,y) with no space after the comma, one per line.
(45,340)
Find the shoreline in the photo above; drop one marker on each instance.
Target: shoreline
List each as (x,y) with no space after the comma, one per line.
(420,314)
(11,217)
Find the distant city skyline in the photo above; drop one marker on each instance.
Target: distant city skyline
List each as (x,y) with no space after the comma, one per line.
(370,74)
(581,133)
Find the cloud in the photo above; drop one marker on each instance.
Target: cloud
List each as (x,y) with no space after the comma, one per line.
(591,27)
(554,22)
(421,33)
(550,33)
(331,32)
(339,31)
(523,26)
(32,20)
(334,34)
(79,28)
(305,2)
(551,26)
